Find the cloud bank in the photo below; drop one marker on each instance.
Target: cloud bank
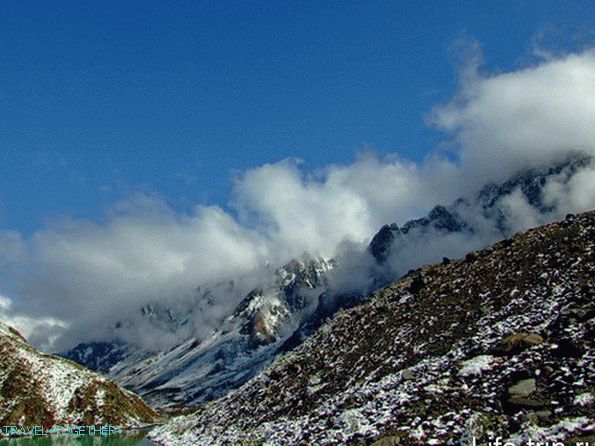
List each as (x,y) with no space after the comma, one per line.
(525,118)
(87,275)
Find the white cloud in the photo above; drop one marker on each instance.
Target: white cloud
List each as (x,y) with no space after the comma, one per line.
(574,194)
(89,274)
(523,118)
(41,331)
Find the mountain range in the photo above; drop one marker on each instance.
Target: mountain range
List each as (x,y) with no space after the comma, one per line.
(496,344)
(300,296)
(198,370)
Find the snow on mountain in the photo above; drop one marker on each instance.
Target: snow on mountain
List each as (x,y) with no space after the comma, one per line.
(497,344)
(451,230)
(203,368)
(38,389)
(100,356)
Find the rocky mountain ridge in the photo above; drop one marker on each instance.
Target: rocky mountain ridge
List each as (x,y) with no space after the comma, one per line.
(461,215)
(476,222)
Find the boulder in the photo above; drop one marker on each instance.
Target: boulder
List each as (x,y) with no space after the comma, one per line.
(516,343)
(522,388)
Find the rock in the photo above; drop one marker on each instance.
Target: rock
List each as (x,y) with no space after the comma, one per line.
(579,314)
(417,284)
(388,441)
(538,416)
(586,440)
(543,414)
(381,245)
(516,343)
(471,257)
(408,374)
(518,396)
(517,403)
(566,349)
(532,339)
(522,388)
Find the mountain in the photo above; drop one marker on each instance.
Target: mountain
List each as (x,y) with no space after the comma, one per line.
(450,230)
(100,356)
(497,344)
(200,369)
(46,390)
(175,319)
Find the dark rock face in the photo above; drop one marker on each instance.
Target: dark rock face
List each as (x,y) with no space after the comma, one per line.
(497,347)
(439,218)
(98,356)
(383,241)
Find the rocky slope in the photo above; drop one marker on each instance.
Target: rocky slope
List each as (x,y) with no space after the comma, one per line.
(38,389)
(499,343)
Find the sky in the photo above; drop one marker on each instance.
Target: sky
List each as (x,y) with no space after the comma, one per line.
(147,149)
(99,101)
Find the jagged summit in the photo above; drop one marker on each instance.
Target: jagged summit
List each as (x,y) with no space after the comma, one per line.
(469,215)
(202,368)
(498,344)
(531,182)
(383,240)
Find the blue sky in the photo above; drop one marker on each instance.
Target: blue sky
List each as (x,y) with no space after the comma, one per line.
(102,100)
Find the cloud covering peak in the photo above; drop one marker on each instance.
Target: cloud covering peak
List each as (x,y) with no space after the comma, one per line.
(89,274)
(524,118)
